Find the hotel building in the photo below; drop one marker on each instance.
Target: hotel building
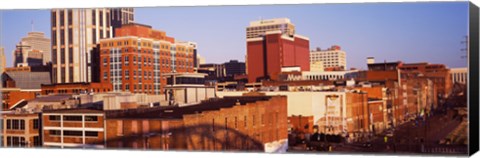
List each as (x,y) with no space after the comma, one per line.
(260,27)
(333,57)
(271,48)
(135,59)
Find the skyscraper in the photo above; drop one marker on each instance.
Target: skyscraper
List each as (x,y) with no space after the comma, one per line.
(25,55)
(271,45)
(121,16)
(38,41)
(75,32)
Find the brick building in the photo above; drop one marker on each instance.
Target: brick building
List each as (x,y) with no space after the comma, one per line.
(135,59)
(21,129)
(73,128)
(271,48)
(75,88)
(438,73)
(300,124)
(12,97)
(253,123)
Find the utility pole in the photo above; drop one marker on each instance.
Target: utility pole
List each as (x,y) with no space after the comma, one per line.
(464,49)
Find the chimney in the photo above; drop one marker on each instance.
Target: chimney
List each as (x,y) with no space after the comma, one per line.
(370,60)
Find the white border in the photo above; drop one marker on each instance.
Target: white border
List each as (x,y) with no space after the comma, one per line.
(46,4)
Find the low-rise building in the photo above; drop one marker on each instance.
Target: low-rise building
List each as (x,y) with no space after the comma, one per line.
(75,88)
(249,123)
(73,128)
(21,129)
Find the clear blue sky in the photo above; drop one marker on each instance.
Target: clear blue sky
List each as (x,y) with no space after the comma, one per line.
(410,32)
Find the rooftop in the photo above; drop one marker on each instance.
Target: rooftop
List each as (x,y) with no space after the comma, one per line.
(178,112)
(29,80)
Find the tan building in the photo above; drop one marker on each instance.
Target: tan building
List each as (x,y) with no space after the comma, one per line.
(333,57)
(260,27)
(334,112)
(38,41)
(459,75)
(25,55)
(75,32)
(2,60)
(21,129)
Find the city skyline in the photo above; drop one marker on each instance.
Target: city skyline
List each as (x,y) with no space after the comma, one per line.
(428,29)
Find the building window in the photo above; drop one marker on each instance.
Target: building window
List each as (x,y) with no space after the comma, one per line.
(36,141)
(36,124)
(72,133)
(91,134)
(245,121)
(72,118)
(91,118)
(54,118)
(54,132)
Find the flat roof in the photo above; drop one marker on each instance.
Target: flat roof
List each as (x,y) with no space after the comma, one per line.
(170,112)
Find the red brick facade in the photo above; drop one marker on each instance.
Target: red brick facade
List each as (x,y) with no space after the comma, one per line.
(135,59)
(267,55)
(241,127)
(76,88)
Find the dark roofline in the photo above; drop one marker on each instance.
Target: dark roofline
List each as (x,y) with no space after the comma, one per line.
(54,84)
(175,112)
(136,24)
(75,110)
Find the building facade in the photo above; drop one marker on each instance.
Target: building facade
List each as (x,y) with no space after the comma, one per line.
(135,59)
(73,128)
(234,67)
(459,75)
(268,54)
(75,88)
(2,60)
(25,55)
(121,16)
(21,129)
(228,124)
(259,28)
(38,41)
(333,57)
(75,33)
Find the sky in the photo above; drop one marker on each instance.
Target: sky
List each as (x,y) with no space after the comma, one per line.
(408,32)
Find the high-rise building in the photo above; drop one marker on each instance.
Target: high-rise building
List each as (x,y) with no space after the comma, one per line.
(332,58)
(268,52)
(260,27)
(38,41)
(74,34)
(135,59)
(2,60)
(121,16)
(24,55)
